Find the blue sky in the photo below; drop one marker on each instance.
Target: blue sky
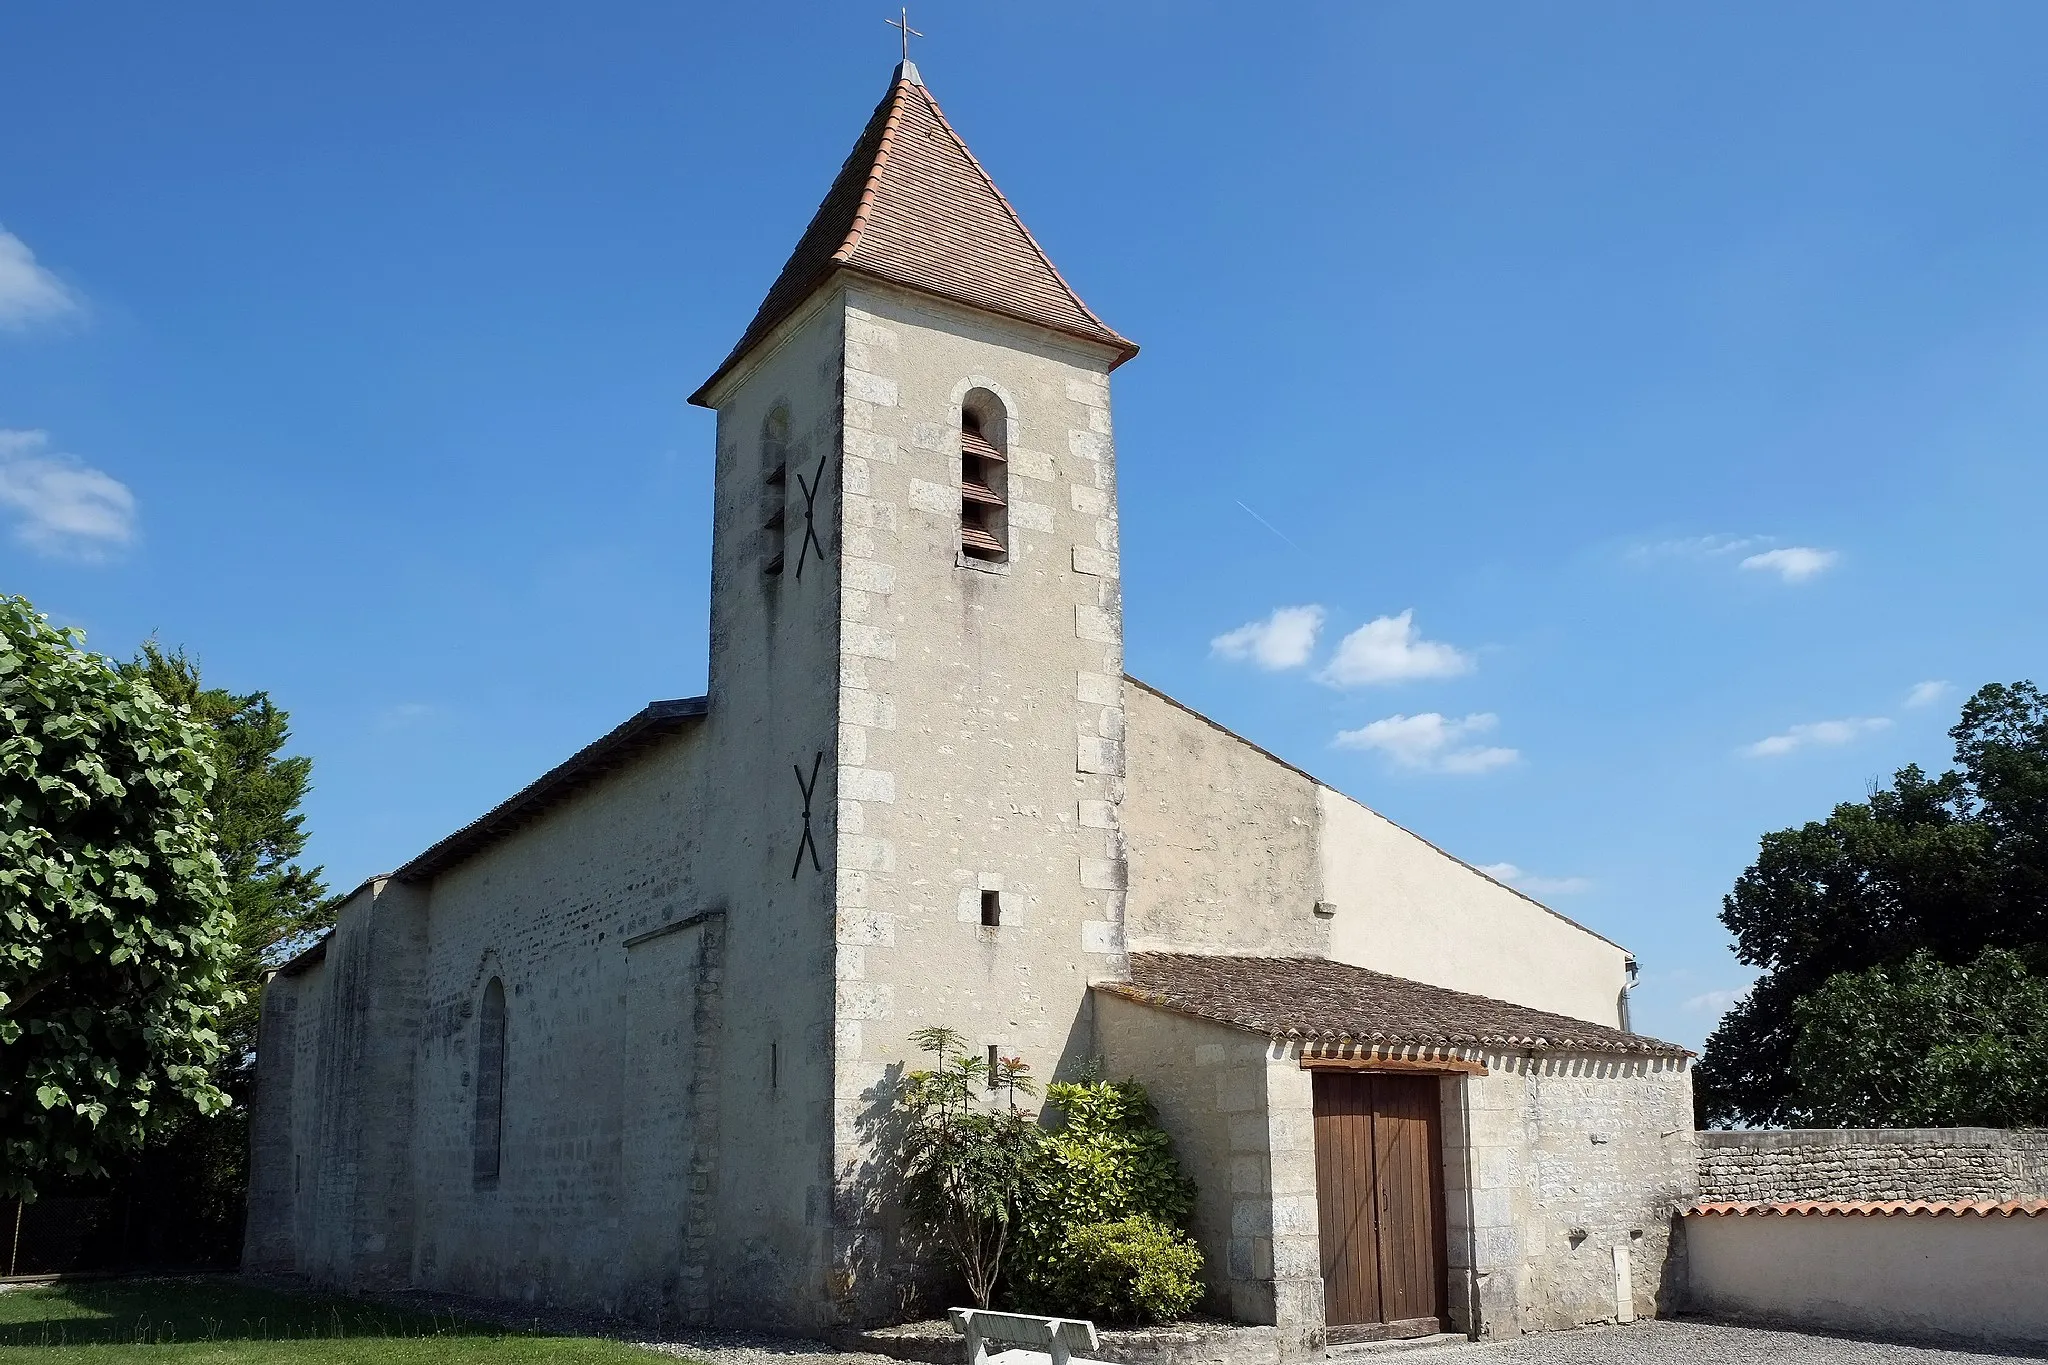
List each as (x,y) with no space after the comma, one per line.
(1679,368)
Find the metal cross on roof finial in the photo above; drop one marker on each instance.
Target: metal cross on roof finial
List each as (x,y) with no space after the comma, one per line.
(908,31)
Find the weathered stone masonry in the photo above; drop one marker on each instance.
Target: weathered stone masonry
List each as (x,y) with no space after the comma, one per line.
(981,724)
(1873,1163)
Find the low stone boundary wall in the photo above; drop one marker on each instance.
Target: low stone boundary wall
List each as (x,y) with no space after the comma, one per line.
(1874,1163)
(1943,1273)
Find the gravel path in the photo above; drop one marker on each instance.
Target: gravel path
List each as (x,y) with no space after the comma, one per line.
(1651,1342)
(1664,1342)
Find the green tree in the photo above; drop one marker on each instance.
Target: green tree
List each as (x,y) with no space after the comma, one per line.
(1949,865)
(180,1200)
(259,831)
(1926,1044)
(114,967)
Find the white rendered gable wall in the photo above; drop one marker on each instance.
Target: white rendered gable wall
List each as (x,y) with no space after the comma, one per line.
(1409,909)
(1232,851)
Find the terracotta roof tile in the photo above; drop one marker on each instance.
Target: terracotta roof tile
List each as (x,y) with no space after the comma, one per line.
(1877,1208)
(912,206)
(1313,999)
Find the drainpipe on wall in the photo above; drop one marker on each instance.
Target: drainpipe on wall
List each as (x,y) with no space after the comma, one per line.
(1626,1025)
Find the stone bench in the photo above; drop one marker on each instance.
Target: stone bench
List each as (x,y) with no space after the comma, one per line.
(1034,1340)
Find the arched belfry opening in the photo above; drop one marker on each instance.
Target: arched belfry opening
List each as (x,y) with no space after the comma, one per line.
(984,477)
(774,487)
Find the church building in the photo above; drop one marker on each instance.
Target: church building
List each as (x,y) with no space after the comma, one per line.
(627,1041)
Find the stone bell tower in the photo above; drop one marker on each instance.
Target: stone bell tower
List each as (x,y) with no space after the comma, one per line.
(916,589)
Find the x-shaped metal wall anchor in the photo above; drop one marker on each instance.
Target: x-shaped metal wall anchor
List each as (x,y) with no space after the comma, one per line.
(810,491)
(807,788)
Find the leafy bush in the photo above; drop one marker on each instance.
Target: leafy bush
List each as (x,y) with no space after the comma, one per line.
(966,1163)
(1133,1270)
(1107,1161)
(1088,1217)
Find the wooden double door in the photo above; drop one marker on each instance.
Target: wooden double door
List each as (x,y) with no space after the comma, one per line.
(1379,1187)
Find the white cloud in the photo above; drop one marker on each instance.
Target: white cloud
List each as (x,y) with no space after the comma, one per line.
(1927,693)
(1821,733)
(1793,563)
(1714,1002)
(1692,547)
(1533,884)
(1431,742)
(1283,640)
(28,293)
(1389,649)
(62,506)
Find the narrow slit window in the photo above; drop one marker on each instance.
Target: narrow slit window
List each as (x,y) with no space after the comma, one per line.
(984,479)
(490,1086)
(995,1060)
(991,908)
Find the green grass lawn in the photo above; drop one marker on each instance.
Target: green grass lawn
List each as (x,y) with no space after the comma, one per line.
(219,1321)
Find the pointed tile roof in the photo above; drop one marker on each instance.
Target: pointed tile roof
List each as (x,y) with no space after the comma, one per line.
(912,206)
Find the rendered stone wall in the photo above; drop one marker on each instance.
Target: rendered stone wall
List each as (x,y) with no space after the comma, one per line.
(267,1243)
(667,1137)
(1223,840)
(774,691)
(1294,1220)
(1253,1162)
(1874,1163)
(1407,908)
(1552,1163)
(981,731)
(1941,1278)
(346,1173)
(614,1176)
(548,912)
(1235,851)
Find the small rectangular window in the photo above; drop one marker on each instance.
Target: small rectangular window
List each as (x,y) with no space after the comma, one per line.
(991,908)
(995,1060)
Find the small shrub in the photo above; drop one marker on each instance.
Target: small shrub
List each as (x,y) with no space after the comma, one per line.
(1135,1270)
(1107,1160)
